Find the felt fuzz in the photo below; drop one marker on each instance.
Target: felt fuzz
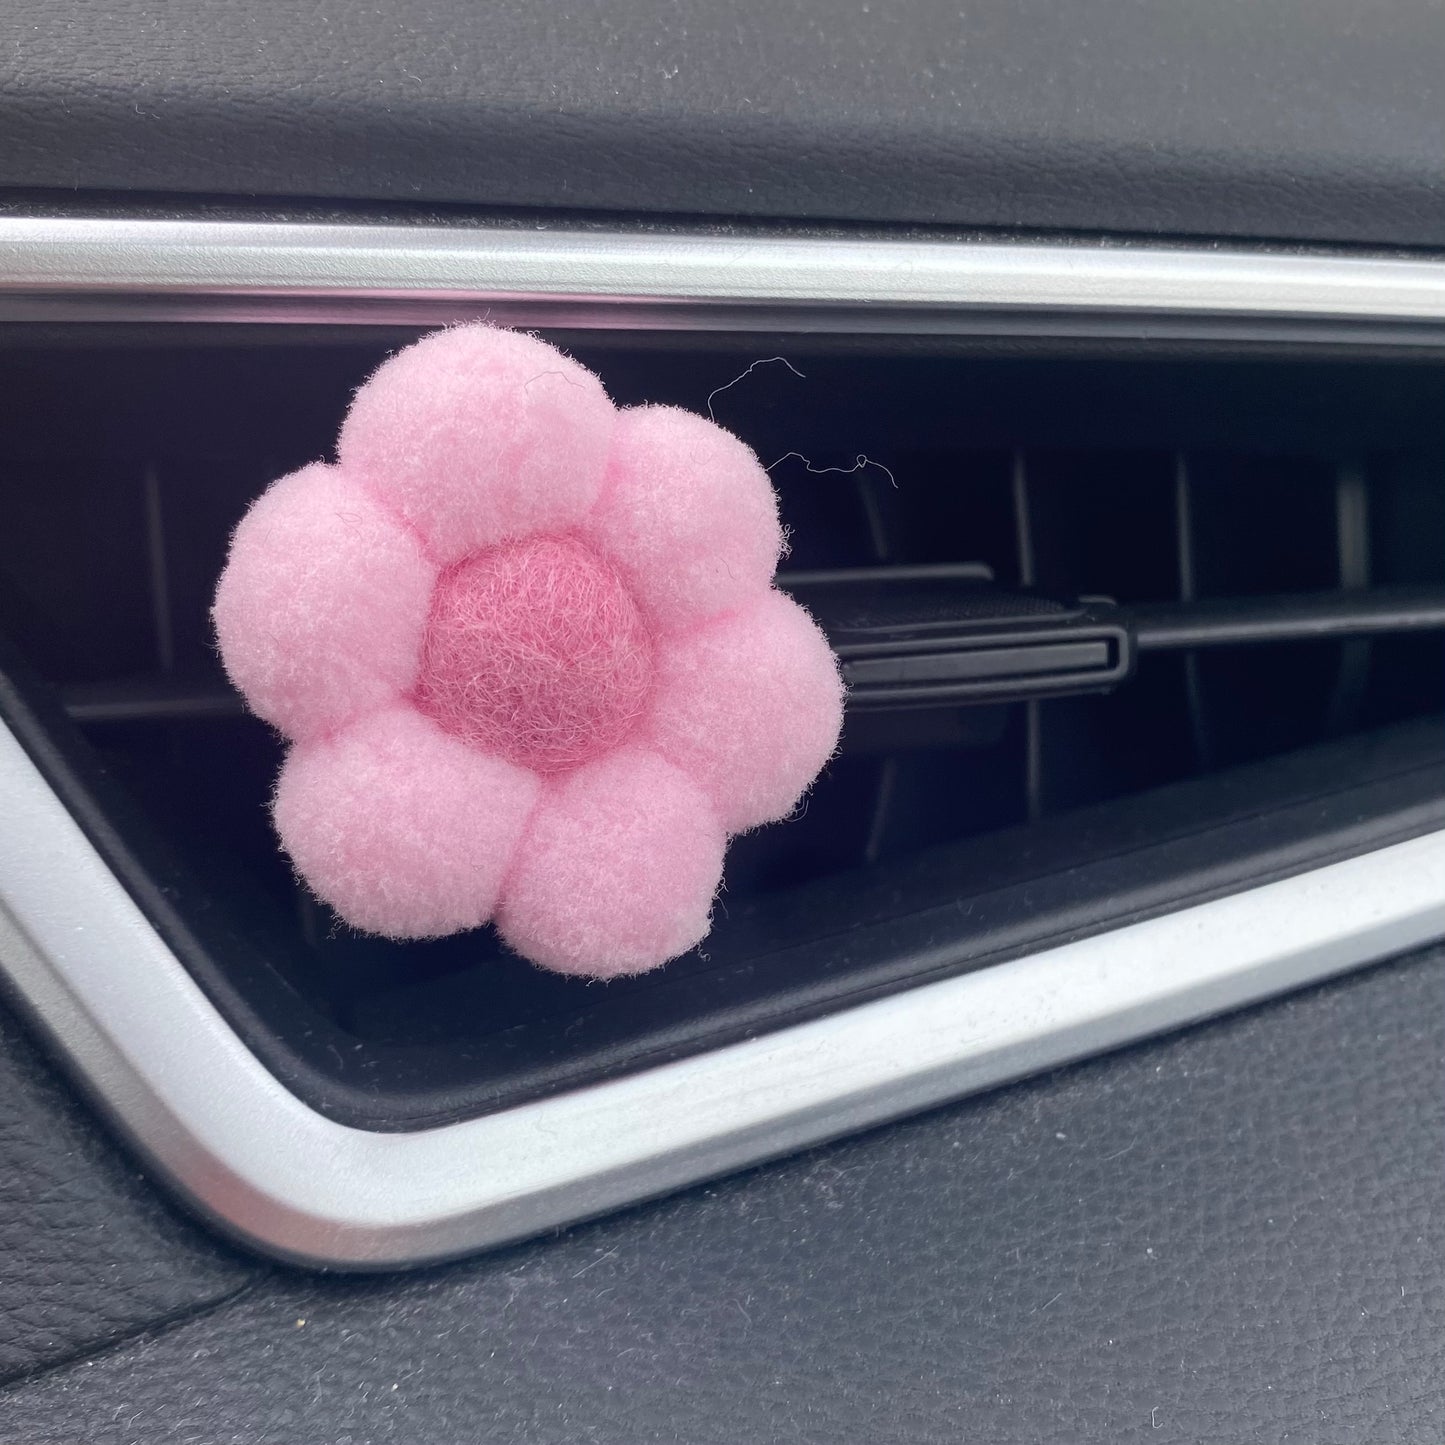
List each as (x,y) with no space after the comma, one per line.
(528,655)
(535,650)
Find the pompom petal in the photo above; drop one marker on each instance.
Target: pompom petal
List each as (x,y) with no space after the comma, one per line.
(476,435)
(618,869)
(688,514)
(322,605)
(750,705)
(404,831)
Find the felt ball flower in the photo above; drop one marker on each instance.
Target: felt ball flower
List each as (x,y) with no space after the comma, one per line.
(528,654)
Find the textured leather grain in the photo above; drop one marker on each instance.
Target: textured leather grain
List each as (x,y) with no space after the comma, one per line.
(1236,1234)
(1315,119)
(88,1252)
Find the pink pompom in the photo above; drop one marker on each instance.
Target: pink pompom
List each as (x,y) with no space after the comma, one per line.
(751,705)
(321,608)
(529,655)
(403,830)
(477,435)
(617,870)
(689,515)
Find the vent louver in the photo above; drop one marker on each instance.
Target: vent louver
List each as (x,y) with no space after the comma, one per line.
(942,836)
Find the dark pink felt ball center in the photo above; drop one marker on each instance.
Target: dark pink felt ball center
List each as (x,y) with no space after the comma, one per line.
(535,650)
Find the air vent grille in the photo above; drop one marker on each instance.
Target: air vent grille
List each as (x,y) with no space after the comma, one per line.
(127,465)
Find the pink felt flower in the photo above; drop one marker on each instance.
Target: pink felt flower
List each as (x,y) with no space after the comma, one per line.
(528,653)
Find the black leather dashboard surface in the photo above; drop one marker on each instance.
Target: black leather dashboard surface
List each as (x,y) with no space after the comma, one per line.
(1236,1234)
(88,1251)
(1307,119)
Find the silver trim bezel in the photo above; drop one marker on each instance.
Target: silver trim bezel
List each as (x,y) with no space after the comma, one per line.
(276,1174)
(109,269)
(87,966)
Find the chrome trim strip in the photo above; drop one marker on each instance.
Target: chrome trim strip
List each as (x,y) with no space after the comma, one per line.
(235,270)
(145,1040)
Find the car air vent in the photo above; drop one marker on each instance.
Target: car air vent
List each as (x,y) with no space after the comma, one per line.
(1266,537)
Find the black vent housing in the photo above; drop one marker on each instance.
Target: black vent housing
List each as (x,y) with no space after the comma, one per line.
(940,838)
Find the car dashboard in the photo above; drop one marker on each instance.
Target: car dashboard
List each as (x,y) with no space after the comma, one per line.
(1068,1068)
